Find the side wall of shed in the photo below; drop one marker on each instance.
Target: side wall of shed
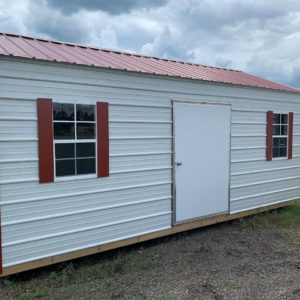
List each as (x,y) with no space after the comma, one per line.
(42,220)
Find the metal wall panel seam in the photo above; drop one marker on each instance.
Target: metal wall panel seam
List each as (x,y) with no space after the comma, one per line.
(247,160)
(248,148)
(141,170)
(184,94)
(18,99)
(264,170)
(263,194)
(248,123)
(70,241)
(19,140)
(85,193)
(87,246)
(89,98)
(90,183)
(17,119)
(93,240)
(248,135)
(108,207)
(111,173)
(139,121)
(121,196)
(139,154)
(4,161)
(141,105)
(78,222)
(264,182)
(19,180)
(249,110)
(114,104)
(111,155)
(140,138)
(111,121)
(266,200)
(259,206)
(63,233)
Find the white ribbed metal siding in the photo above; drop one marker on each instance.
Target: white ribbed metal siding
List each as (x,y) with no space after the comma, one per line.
(44,220)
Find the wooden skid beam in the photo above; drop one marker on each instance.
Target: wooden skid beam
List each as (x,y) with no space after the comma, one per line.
(175,229)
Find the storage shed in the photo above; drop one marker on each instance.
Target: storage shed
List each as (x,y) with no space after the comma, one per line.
(101,149)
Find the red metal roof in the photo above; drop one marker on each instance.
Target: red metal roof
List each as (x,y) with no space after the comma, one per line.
(36,48)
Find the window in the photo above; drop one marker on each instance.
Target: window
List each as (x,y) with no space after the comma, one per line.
(280,135)
(74,128)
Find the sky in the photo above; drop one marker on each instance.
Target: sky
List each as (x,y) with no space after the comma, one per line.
(261,37)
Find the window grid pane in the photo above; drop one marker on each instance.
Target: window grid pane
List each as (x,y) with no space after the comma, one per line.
(85,112)
(279,147)
(65,167)
(86,166)
(65,151)
(85,130)
(64,131)
(63,111)
(280,132)
(276,119)
(78,158)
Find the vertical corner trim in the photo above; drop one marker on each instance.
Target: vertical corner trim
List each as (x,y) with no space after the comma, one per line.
(269,142)
(102,139)
(45,140)
(290,135)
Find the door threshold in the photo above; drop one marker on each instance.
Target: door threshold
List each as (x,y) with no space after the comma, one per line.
(201,218)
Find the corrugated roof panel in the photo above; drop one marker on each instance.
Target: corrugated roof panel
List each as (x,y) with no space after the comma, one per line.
(35,48)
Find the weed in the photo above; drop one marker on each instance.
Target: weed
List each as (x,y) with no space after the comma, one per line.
(285,217)
(38,294)
(104,294)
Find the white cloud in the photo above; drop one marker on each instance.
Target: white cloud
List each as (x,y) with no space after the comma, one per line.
(107,38)
(166,45)
(257,36)
(11,13)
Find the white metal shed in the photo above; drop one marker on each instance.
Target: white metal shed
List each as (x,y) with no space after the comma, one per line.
(101,149)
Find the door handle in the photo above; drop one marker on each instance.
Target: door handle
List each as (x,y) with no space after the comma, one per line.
(178,163)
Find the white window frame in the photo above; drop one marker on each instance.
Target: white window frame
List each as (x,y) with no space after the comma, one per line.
(75,141)
(281,136)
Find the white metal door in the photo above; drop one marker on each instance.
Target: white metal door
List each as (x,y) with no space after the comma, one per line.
(202,150)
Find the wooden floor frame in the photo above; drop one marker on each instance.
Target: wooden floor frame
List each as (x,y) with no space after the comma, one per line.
(175,229)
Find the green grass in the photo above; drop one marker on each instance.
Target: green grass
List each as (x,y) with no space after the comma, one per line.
(286,217)
(76,280)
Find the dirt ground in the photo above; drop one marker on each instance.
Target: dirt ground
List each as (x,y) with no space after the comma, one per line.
(233,260)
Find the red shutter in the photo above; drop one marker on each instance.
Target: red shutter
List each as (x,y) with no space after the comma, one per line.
(102,139)
(1,260)
(290,138)
(269,135)
(45,140)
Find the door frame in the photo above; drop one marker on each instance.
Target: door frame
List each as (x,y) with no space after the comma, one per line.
(173,204)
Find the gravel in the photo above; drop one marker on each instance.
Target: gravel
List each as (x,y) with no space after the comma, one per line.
(224,261)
